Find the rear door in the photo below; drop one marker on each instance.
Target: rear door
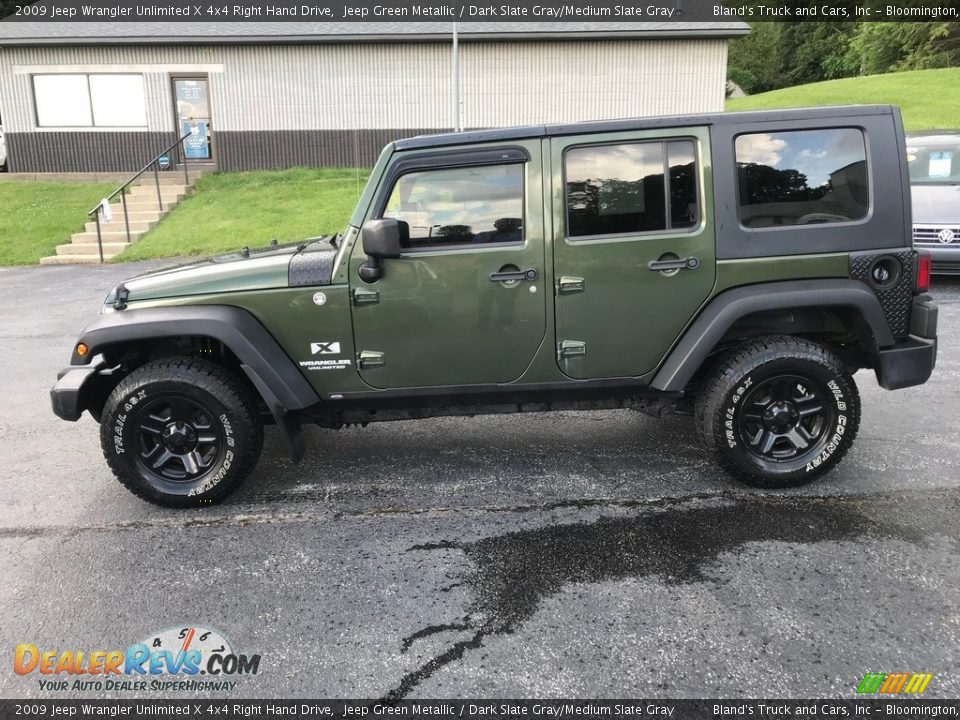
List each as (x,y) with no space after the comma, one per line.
(634,249)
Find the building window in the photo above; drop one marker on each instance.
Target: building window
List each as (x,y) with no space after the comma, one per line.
(460,206)
(803,177)
(620,189)
(90,101)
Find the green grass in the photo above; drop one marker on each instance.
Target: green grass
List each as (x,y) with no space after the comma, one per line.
(35,217)
(927,98)
(230,210)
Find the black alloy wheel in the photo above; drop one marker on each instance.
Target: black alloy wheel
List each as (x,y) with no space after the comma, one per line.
(785,417)
(178,438)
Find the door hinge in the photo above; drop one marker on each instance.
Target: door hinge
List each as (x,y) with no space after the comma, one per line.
(362,296)
(567,285)
(571,348)
(370,359)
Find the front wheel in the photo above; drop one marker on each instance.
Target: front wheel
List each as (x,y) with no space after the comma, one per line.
(779,412)
(181,432)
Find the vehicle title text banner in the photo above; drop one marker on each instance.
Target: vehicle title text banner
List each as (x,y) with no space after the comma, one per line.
(227,709)
(579,11)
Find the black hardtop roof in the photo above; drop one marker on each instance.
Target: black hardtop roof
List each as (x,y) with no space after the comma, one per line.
(525,132)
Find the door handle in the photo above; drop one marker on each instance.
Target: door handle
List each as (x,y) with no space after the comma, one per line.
(690,263)
(514,275)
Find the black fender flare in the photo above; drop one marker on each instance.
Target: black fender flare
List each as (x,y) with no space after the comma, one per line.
(726,308)
(280,383)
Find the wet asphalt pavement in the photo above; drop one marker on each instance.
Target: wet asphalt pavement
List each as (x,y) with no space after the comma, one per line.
(552,555)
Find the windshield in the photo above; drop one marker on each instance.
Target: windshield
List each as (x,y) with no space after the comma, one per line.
(934,162)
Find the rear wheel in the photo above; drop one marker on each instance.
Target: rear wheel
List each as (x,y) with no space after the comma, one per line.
(779,411)
(181,432)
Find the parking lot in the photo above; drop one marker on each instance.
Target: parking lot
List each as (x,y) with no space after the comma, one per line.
(596,554)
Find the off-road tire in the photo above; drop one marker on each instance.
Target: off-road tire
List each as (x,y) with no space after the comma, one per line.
(737,411)
(191,411)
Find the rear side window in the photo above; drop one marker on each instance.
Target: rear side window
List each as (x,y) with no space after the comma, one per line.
(802,177)
(621,189)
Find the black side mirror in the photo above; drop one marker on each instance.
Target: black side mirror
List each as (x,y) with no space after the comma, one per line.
(382,239)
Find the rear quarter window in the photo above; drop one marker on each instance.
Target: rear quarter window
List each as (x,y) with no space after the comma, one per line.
(802,177)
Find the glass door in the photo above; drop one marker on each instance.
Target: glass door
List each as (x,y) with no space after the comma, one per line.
(192,100)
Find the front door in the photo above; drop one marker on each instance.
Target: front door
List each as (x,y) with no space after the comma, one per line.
(465,304)
(634,253)
(192,100)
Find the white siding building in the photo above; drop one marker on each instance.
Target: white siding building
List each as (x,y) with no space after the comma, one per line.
(105,97)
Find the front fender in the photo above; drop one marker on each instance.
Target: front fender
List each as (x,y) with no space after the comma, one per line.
(270,370)
(237,329)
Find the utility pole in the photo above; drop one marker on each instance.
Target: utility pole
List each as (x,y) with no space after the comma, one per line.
(456,80)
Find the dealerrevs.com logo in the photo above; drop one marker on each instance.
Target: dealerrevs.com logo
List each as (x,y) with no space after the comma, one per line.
(189,658)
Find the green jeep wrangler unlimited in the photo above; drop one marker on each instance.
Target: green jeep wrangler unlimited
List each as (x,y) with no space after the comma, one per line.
(736,267)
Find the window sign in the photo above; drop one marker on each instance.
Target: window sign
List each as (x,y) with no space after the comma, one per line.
(195,147)
(940,165)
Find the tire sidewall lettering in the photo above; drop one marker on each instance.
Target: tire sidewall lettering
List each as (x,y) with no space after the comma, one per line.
(121,428)
(836,439)
(730,412)
(119,425)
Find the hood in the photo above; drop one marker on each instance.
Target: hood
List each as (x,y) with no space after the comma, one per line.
(256,269)
(936,204)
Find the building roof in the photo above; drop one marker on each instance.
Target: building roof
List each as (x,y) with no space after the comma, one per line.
(238,33)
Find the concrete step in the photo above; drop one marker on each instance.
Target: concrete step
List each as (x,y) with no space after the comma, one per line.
(138,214)
(145,203)
(143,210)
(86,238)
(74,259)
(165,191)
(91,249)
(117,225)
(167,178)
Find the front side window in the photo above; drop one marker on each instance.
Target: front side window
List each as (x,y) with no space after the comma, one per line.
(802,177)
(109,100)
(462,206)
(620,189)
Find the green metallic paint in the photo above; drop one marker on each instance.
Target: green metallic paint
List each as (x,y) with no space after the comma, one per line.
(442,321)
(261,271)
(733,273)
(627,315)
(295,321)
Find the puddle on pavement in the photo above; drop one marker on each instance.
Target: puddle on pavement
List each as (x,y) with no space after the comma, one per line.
(512,573)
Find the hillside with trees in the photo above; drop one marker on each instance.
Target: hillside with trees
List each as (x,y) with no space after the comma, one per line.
(777,54)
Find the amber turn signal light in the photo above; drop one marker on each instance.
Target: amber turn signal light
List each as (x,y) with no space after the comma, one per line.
(82,349)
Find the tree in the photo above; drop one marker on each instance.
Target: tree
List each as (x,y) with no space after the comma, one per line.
(894,47)
(754,61)
(815,51)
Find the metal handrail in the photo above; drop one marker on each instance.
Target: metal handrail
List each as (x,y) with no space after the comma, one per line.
(122,190)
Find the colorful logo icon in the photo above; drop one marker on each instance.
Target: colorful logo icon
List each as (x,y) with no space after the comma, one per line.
(894,683)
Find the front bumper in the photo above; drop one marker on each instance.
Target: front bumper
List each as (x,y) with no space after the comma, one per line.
(65,396)
(911,361)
